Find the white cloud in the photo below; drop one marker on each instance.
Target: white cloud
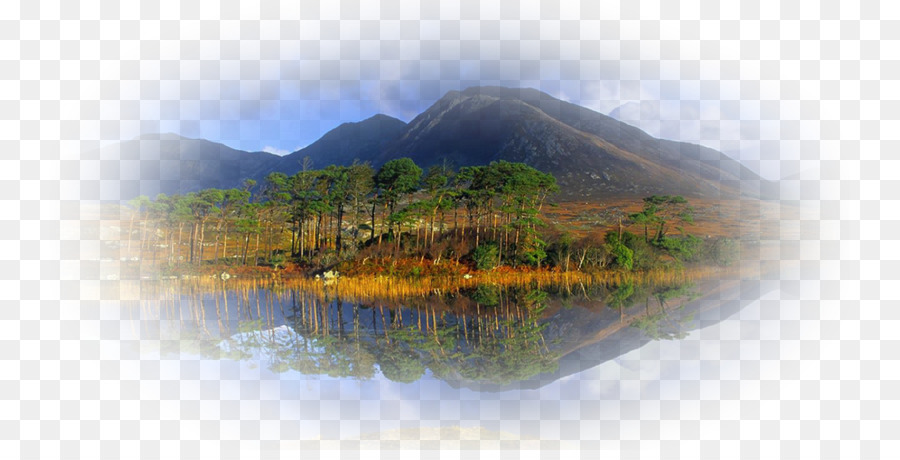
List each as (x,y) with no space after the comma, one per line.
(278,151)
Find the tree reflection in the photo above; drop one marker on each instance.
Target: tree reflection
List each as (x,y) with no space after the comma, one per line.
(661,324)
(489,334)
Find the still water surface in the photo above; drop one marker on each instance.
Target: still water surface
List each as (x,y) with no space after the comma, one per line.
(485,338)
(509,362)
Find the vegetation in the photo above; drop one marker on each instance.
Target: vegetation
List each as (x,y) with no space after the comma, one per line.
(362,220)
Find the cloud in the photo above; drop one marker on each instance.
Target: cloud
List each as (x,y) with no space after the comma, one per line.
(712,123)
(398,61)
(278,151)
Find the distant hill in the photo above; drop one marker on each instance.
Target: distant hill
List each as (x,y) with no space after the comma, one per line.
(591,155)
(364,140)
(169,163)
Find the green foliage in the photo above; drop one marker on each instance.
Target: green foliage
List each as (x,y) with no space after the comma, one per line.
(400,365)
(495,209)
(535,300)
(656,327)
(532,250)
(397,178)
(486,295)
(560,250)
(665,293)
(684,249)
(623,256)
(622,296)
(277,260)
(646,256)
(486,256)
(659,210)
(437,178)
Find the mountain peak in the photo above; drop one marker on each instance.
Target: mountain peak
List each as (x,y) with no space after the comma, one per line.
(360,140)
(502,92)
(162,137)
(380,117)
(591,154)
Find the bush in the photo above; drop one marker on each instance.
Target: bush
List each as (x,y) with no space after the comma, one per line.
(646,257)
(533,253)
(622,255)
(486,256)
(685,249)
(486,295)
(277,260)
(560,249)
(723,251)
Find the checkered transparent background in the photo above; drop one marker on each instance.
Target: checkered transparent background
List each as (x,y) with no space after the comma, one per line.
(809,371)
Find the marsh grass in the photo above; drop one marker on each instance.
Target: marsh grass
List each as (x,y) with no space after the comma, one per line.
(366,288)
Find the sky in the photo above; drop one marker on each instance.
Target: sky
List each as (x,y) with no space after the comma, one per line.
(276,77)
(783,86)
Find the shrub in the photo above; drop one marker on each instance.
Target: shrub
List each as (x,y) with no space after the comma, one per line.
(645,256)
(685,249)
(277,260)
(533,253)
(486,256)
(723,251)
(622,255)
(486,295)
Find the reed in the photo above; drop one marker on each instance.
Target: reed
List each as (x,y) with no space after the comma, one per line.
(366,288)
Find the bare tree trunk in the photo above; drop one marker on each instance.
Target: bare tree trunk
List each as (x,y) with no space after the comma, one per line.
(294,231)
(372,229)
(477,229)
(180,231)
(216,245)
(193,239)
(202,237)
(225,243)
(256,253)
(340,221)
(300,237)
(318,232)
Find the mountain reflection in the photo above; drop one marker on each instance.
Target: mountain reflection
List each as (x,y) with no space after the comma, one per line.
(486,337)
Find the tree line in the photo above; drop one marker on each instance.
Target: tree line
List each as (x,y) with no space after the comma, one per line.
(490,215)
(341,208)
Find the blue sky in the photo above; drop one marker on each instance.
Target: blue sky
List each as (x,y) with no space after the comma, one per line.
(279,82)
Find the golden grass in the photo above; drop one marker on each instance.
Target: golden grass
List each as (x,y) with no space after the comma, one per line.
(390,289)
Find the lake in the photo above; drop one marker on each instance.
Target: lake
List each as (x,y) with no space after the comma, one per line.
(483,358)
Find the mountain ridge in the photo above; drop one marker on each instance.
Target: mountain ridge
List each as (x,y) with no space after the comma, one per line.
(591,154)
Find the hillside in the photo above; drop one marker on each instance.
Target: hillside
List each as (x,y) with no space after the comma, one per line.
(168,163)
(364,140)
(592,155)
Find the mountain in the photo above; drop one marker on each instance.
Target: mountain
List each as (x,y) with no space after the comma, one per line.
(168,163)
(591,155)
(364,140)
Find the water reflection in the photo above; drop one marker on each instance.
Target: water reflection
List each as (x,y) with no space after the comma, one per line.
(483,337)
